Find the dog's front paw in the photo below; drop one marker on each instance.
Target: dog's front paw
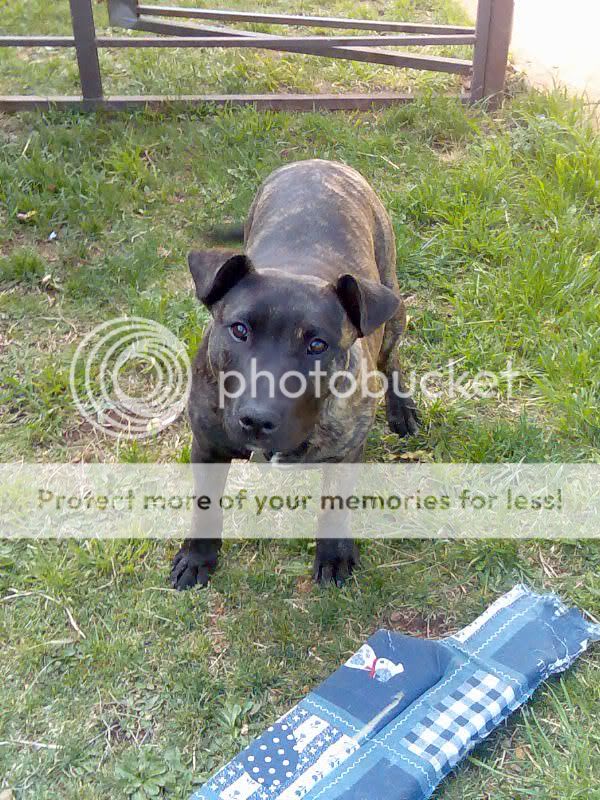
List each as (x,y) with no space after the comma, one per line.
(402,415)
(191,568)
(335,561)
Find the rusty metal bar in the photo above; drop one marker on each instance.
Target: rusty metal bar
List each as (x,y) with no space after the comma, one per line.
(84,33)
(272,42)
(181,29)
(369,55)
(296,19)
(277,102)
(37,41)
(390,58)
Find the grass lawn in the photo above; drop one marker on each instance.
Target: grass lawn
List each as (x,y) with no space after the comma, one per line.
(497,222)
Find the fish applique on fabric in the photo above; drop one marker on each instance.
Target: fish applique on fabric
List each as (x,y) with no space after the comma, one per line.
(381,669)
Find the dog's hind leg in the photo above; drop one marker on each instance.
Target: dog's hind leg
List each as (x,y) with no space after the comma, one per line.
(401,411)
(402,415)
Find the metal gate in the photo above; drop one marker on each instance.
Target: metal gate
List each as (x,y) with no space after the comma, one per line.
(490,40)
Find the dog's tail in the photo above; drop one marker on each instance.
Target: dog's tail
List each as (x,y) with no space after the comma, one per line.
(227,233)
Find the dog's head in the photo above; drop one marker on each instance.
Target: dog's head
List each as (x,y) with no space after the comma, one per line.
(277,340)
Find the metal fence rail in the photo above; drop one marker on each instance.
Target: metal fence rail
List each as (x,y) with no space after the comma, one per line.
(490,40)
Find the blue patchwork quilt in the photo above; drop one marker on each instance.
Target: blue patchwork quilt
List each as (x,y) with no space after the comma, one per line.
(402,711)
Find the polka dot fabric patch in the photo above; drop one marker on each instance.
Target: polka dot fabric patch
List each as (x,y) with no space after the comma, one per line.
(274,759)
(286,761)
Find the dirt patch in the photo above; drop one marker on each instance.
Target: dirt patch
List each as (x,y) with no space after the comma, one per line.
(47,249)
(81,432)
(120,722)
(415,623)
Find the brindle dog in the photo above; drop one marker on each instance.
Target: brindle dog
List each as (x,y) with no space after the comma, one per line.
(316,288)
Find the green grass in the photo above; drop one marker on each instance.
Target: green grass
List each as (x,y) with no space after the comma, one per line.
(498,227)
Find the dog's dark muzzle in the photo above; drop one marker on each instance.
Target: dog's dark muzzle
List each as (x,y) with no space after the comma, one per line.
(258,424)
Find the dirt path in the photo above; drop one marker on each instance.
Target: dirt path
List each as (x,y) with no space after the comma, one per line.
(556,42)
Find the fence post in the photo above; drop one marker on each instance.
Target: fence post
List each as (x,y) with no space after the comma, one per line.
(84,32)
(490,58)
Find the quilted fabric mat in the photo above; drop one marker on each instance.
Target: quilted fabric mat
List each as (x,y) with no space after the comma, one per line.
(402,712)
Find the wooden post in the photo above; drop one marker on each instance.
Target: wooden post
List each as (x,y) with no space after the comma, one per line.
(84,32)
(490,58)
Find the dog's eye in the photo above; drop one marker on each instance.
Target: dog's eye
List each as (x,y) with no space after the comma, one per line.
(317,346)
(239,331)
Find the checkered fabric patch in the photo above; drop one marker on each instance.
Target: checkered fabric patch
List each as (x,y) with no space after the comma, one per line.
(455,725)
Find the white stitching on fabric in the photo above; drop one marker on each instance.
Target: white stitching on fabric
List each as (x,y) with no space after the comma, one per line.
(503,627)
(368,750)
(492,668)
(406,717)
(423,699)
(344,772)
(411,762)
(324,710)
(490,613)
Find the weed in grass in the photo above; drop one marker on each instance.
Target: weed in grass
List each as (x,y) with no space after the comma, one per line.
(23,266)
(145,775)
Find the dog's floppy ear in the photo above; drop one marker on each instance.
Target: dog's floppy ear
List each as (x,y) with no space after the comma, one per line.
(215,272)
(367,303)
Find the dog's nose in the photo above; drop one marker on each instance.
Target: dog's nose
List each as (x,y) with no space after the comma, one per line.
(258,422)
